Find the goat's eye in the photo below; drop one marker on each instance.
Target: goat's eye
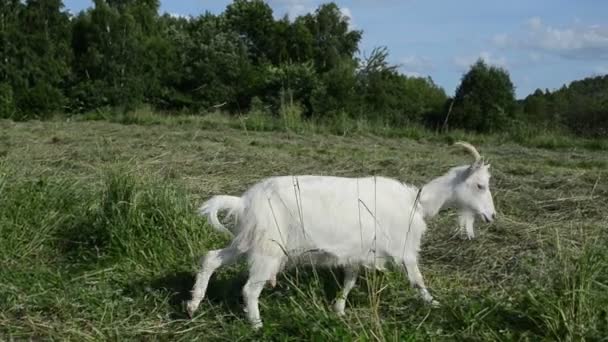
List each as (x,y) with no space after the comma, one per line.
(480,186)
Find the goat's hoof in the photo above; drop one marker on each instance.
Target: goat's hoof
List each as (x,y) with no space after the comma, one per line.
(467,237)
(257,325)
(272,282)
(339,307)
(435,304)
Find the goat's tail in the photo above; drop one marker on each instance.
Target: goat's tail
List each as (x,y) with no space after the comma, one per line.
(210,208)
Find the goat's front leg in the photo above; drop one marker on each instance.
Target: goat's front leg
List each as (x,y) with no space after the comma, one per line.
(350,277)
(466,219)
(415,277)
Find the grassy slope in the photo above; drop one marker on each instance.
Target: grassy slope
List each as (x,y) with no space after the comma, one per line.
(98,238)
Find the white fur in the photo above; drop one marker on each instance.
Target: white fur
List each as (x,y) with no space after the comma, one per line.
(468,190)
(331,221)
(211,208)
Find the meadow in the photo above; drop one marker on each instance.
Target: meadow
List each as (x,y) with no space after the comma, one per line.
(99,239)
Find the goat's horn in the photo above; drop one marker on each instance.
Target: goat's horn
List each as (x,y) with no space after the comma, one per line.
(469,148)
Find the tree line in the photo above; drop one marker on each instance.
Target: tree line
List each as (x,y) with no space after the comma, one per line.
(123,53)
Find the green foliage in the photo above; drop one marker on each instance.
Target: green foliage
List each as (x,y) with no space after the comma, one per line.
(122,54)
(401,100)
(115,50)
(333,41)
(299,79)
(217,65)
(484,100)
(252,21)
(290,112)
(10,40)
(582,106)
(36,56)
(335,91)
(7,101)
(535,107)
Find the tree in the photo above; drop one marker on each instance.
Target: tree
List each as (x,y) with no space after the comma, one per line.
(116,46)
(384,93)
(121,53)
(252,20)
(333,40)
(585,105)
(484,100)
(300,41)
(582,106)
(10,43)
(35,57)
(335,91)
(535,107)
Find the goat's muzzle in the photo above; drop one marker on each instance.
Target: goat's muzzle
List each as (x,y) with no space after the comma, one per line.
(488,219)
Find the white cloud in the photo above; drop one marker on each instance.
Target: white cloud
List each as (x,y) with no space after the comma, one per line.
(535,23)
(501,40)
(464,62)
(179,15)
(415,66)
(295,8)
(348,14)
(601,70)
(413,74)
(577,42)
(292,8)
(535,56)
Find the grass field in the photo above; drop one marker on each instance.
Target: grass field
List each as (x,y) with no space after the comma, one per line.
(99,240)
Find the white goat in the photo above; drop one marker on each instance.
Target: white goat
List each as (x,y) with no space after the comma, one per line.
(334,221)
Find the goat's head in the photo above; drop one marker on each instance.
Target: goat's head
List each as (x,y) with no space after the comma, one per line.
(472,192)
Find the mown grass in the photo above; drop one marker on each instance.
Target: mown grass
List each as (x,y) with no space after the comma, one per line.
(99,240)
(290,119)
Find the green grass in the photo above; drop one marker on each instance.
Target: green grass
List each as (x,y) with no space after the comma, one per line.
(290,119)
(99,240)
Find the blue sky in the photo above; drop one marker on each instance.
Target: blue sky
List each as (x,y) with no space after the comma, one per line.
(542,43)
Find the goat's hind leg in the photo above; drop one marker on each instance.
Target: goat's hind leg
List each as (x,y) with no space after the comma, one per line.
(262,269)
(415,277)
(209,263)
(350,277)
